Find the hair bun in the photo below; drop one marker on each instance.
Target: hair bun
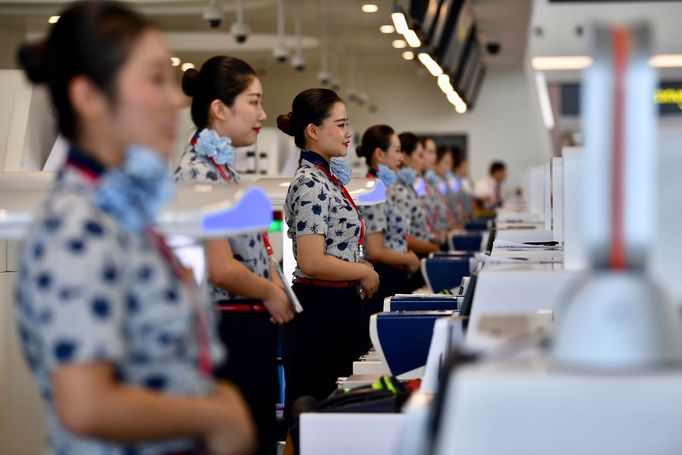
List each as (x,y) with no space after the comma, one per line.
(31,58)
(359,151)
(189,81)
(285,123)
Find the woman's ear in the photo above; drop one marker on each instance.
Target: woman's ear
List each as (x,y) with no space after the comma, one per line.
(378,155)
(218,110)
(312,132)
(87,100)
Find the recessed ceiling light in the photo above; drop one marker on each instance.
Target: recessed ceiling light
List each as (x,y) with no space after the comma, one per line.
(444,84)
(387,29)
(412,39)
(399,44)
(666,61)
(175,61)
(370,8)
(577,62)
(580,62)
(400,22)
(187,66)
(53,19)
(430,64)
(408,55)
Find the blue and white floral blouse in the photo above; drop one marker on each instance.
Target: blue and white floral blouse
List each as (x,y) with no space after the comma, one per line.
(315,205)
(408,203)
(436,209)
(389,219)
(91,291)
(249,249)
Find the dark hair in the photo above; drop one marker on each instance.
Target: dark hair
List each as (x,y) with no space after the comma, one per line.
(220,78)
(375,136)
(458,157)
(441,151)
(310,106)
(424,139)
(91,38)
(497,166)
(408,142)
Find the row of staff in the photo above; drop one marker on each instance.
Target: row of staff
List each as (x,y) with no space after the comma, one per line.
(129,354)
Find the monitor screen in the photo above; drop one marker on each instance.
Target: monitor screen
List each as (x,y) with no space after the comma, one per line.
(475,88)
(467,302)
(446,27)
(445,23)
(470,67)
(456,42)
(429,20)
(418,10)
(472,56)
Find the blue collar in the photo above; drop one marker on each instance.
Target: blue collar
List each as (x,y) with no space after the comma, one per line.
(84,162)
(314,158)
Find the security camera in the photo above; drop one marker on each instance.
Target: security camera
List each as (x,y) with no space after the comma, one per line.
(324,77)
(493,47)
(298,62)
(280,54)
(240,32)
(213,15)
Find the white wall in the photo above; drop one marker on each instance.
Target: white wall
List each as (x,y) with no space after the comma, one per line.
(10,39)
(506,123)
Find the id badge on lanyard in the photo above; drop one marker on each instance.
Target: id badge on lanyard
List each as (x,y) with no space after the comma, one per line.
(205,364)
(349,199)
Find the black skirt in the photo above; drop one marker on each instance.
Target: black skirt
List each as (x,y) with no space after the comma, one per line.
(320,344)
(251,341)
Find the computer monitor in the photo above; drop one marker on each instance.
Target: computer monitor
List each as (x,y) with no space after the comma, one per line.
(472,59)
(470,78)
(455,42)
(445,27)
(418,10)
(472,97)
(429,20)
(467,301)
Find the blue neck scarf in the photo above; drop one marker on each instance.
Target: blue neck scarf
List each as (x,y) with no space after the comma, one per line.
(341,169)
(431,177)
(134,193)
(386,175)
(210,144)
(407,175)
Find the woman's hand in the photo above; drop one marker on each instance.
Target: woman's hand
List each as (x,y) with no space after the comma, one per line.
(278,305)
(232,431)
(369,282)
(413,262)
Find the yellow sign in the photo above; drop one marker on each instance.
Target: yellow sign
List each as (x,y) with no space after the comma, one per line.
(669,96)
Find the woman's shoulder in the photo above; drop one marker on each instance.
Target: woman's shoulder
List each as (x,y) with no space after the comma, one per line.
(193,167)
(310,177)
(70,222)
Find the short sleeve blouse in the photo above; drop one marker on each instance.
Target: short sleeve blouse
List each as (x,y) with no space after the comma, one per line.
(315,205)
(249,249)
(389,219)
(407,202)
(91,291)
